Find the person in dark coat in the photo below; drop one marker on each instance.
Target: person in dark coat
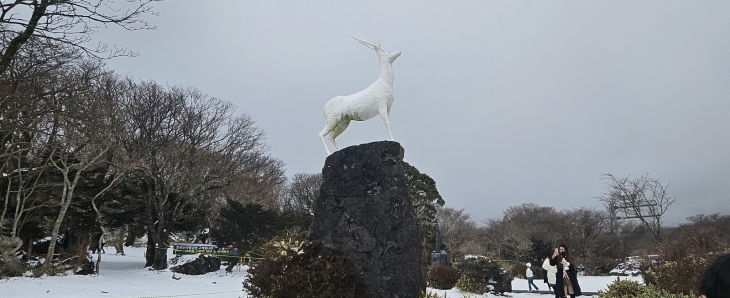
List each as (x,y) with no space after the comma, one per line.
(566,279)
(716,281)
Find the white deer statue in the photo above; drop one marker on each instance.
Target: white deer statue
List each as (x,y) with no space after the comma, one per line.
(373,100)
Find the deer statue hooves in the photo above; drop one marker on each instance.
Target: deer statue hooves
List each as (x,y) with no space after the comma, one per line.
(374,100)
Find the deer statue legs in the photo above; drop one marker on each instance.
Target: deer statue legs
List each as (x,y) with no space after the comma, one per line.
(333,130)
(386,119)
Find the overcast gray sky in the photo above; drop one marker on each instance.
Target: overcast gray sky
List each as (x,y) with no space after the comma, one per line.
(501,102)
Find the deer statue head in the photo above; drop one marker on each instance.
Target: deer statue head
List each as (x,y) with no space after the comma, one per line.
(383,54)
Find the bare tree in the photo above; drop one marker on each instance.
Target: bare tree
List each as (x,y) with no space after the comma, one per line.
(587,233)
(540,222)
(302,192)
(643,198)
(118,163)
(80,142)
(495,232)
(716,220)
(263,185)
(31,93)
(116,175)
(21,192)
(474,244)
(21,166)
(67,23)
(518,243)
(522,227)
(192,148)
(457,229)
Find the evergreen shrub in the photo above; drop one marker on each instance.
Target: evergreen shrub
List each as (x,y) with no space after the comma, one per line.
(632,289)
(623,288)
(476,274)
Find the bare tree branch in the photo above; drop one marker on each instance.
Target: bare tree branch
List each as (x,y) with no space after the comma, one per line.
(643,198)
(68,22)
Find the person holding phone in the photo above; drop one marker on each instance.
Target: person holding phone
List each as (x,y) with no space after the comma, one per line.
(566,279)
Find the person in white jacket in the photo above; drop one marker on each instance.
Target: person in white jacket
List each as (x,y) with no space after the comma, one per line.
(551,272)
(530,278)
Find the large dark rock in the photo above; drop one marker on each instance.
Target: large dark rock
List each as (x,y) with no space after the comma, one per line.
(364,213)
(202,265)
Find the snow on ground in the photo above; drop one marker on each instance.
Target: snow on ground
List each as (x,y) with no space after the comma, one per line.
(124,277)
(587,284)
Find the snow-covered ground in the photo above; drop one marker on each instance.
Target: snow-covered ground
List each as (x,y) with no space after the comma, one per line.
(123,276)
(587,284)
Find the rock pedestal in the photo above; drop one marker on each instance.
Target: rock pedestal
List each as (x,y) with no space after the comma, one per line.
(440,258)
(364,213)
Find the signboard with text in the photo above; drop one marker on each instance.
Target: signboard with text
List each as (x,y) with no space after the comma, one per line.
(208,249)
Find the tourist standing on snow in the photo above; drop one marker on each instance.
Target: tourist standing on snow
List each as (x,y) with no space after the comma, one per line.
(549,271)
(566,279)
(530,278)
